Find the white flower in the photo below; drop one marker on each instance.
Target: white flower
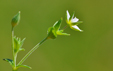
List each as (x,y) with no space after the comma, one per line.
(71,21)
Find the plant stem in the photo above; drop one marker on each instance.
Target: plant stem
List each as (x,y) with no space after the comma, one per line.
(14,55)
(14,70)
(31,51)
(65,27)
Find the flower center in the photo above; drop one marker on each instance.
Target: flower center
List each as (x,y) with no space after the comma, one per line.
(69,22)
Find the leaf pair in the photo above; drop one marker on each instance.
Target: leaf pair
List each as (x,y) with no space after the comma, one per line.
(12,64)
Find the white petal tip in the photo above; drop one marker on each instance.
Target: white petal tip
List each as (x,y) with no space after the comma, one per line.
(77,28)
(81,30)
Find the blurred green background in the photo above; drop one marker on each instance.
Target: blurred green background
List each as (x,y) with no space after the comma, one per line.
(91,50)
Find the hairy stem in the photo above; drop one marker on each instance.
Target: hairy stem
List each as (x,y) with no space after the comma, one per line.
(31,51)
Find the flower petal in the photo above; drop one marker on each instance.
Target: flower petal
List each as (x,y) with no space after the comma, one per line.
(75,27)
(68,15)
(74,20)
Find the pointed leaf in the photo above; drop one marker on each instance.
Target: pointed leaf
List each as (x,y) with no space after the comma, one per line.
(60,33)
(72,16)
(57,24)
(25,66)
(21,44)
(21,49)
(9,60)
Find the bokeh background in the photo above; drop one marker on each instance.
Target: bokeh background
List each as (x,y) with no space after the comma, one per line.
(91,50)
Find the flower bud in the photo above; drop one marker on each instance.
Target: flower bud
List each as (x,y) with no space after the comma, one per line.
(15,19)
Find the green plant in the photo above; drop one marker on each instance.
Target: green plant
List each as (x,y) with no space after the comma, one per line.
(52,33)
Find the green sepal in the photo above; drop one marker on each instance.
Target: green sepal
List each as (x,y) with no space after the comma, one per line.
(57,25)
(18,44)
(21,49)
(52,33)
(72,16)
(22,42)
(60,33)
(9,61)
(15,19)
(79,22)
(25,66)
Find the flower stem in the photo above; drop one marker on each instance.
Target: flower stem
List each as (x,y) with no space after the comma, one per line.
(14,54)
(31,51)
(14,70)
(65,27)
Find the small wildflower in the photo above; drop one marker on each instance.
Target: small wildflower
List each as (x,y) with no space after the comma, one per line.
(73,22)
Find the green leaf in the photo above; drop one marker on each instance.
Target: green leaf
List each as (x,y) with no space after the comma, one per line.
(9,61)
(72,16)
(21,49)
(21,44)
(57,25)
(25,66)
